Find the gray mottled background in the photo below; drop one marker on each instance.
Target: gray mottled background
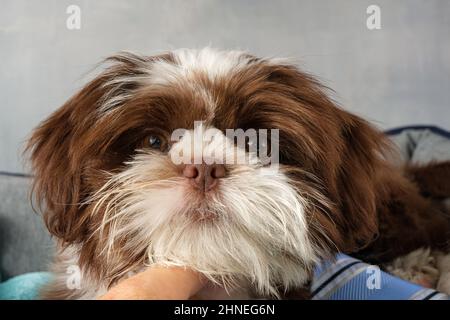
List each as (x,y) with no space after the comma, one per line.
(395,76)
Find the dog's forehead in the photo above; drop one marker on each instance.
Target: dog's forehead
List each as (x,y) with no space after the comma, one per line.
(200,84)
(200,81)
(185,86)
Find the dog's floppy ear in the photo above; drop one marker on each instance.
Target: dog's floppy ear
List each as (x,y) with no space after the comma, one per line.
(56,180)
(342,150)
(357,183)
(62,146)
(56,163)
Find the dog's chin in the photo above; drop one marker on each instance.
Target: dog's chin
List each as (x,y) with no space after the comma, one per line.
(249,230)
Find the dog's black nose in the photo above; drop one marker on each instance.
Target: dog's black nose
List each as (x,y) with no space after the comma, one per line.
(204,176)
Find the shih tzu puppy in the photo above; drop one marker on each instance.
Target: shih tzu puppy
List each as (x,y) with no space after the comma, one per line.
(297,180)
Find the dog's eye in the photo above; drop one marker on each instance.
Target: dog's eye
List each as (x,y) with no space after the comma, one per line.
(154,142)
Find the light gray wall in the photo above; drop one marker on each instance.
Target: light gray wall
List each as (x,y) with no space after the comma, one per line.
(394,76)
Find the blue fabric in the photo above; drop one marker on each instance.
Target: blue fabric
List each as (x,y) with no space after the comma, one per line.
(24,287)
(347,278)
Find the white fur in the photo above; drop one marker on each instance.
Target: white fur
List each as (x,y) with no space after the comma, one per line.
(212,63)
(425,267)
(64,271)
(251,231)
(209,145)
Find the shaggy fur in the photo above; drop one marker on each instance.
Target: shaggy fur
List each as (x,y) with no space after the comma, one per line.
(116,204)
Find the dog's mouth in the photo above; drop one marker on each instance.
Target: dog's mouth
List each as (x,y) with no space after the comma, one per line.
(251,225)
(203,204)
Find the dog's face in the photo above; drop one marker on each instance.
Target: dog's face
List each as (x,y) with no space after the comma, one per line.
(108,169)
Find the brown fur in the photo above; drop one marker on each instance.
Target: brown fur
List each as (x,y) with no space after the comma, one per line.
(364,205)
(432,179)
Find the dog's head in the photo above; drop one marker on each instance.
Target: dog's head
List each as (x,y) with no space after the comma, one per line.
(136,168)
